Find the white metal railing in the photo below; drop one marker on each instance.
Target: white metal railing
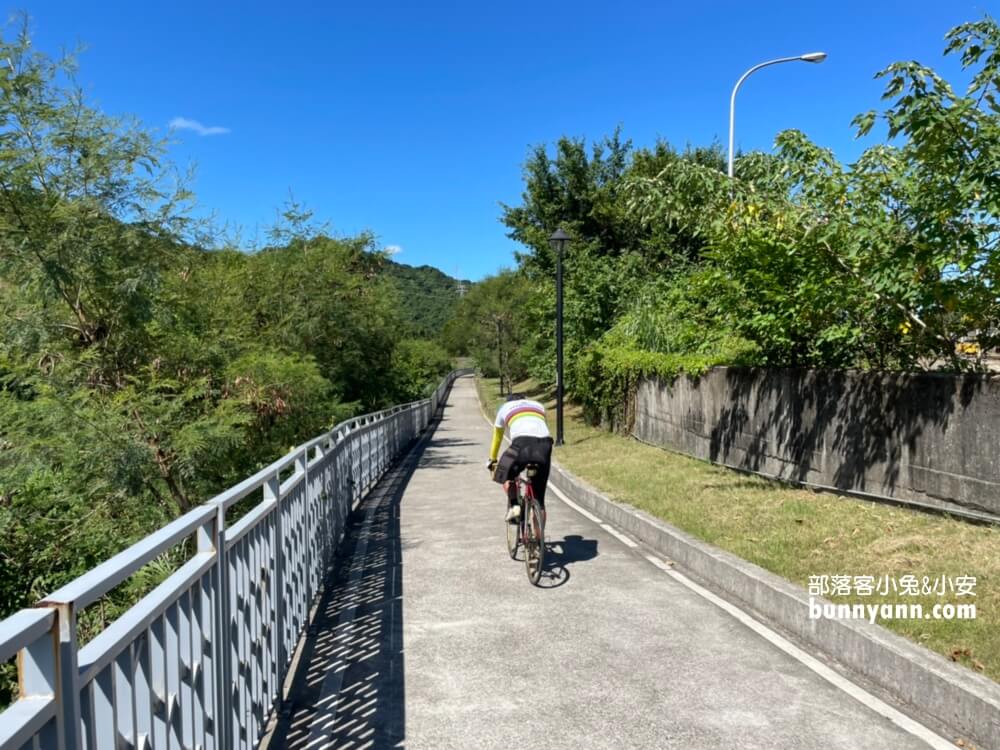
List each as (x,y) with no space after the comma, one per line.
(199,662)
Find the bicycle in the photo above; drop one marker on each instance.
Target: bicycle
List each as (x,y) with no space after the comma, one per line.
(529,531)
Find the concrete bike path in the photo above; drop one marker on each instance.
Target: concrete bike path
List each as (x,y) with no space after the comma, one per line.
(430,636)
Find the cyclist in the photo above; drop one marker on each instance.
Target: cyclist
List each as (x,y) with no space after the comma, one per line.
(530,443)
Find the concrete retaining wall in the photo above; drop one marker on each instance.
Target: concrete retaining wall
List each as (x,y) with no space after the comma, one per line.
(928,438)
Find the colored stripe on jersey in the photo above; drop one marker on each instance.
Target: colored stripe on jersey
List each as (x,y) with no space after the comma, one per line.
(523,418)
(525,411)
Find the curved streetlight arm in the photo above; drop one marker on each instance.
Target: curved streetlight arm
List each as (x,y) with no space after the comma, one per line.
(732,100)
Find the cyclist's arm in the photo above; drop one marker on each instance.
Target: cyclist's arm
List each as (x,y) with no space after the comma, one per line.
(497,439)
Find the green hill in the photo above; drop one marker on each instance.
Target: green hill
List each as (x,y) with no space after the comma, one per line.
(428,296)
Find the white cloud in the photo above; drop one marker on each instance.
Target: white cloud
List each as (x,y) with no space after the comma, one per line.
(393,250)
(183,123)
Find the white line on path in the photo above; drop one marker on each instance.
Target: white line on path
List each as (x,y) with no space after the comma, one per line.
(861,695)
(618,535)
(590,516)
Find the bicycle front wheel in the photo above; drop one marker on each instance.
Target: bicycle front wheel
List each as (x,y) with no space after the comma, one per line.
(513,536)
(534,543)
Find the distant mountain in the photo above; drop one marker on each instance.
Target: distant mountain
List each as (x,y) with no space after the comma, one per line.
(428,296)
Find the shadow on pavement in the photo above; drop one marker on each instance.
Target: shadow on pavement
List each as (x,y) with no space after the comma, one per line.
(440,453)
(573,548)
(564,552)
(348,691)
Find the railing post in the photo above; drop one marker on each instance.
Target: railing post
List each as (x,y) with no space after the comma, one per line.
(222,725)
(346,484)
(358,468)
(336,492)
(210,540)
(323,518)
(39,675)
(272,491)
(302,464)
(366,460)
(67,676)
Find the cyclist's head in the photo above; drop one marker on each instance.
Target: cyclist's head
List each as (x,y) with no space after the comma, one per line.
(516,397)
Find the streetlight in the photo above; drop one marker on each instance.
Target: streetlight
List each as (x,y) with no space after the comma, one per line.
(559,240)
(811,57)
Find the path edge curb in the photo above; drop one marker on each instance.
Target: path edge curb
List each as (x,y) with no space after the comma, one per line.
(923,680)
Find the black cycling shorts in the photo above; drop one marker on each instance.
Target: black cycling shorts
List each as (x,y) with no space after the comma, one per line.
(524,451)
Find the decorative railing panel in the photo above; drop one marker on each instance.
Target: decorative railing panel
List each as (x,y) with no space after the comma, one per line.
(199,662)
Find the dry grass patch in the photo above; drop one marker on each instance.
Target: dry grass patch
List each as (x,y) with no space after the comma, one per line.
(799,533)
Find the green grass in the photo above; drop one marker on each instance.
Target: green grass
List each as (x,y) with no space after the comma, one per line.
(797,533)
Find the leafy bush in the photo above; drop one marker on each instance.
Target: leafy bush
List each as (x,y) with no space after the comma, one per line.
(419,365)
(672,328)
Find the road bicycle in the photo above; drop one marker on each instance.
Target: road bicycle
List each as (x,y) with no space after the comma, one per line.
(529,531)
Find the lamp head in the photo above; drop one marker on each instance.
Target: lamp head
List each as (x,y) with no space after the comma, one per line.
(559,239)
(813,57)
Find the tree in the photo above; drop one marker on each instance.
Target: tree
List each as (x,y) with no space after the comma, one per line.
(143,368)
(614,251)
(886,263)
(89,219)
(419,365)
(488,324)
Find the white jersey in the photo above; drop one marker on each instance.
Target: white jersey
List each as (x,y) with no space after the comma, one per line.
(524,418)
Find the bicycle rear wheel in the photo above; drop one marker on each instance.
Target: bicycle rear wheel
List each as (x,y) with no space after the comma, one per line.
(534,543)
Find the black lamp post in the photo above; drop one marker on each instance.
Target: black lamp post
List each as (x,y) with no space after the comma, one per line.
(559,240)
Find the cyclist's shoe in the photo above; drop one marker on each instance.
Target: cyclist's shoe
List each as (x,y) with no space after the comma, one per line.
(513,514)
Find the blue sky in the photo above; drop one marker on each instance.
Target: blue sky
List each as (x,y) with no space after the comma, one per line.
(412,119)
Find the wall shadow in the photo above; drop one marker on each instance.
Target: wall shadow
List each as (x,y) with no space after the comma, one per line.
(855,431)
